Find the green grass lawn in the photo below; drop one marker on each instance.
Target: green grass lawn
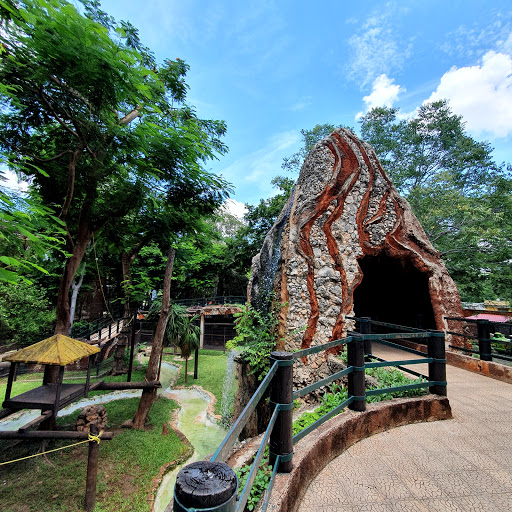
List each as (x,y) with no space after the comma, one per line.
(211,372)
(127,465)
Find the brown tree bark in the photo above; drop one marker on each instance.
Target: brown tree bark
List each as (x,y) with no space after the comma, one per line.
(148,396)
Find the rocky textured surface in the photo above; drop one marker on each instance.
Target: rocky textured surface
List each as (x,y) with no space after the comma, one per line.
(92,414)
(343,212)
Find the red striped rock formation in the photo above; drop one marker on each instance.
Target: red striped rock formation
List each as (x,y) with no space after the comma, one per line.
(347,244)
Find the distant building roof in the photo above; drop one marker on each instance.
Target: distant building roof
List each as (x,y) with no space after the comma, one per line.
(57,350)
(489,316)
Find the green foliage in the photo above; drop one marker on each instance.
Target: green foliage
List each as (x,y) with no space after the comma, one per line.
(256,336)
(26,314)
(261,481)
(176,321)
(387,377)
(391,377)
(248,240)
(329,401)
(99,126)
(27,231)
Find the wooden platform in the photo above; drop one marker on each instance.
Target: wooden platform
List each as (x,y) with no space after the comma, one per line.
(43,397)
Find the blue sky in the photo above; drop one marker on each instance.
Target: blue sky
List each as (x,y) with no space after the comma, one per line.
(272,68)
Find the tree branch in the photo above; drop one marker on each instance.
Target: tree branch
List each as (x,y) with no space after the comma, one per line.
(42,95)
(71,182)
(74,92)
(56,157)
(132,254)
(128,118)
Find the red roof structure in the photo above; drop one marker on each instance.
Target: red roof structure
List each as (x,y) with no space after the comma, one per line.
(489,316)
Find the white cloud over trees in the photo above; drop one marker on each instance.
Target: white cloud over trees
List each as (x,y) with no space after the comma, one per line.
(481,94)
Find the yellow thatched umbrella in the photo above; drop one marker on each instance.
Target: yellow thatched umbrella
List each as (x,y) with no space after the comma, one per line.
(58,350)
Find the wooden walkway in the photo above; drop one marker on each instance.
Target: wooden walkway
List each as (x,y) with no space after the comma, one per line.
(463,464)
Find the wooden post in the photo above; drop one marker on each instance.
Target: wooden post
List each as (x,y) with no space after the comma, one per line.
(109,330)
(46,374)
(484,342)
(196,363)
(201,335)
(57,393)
(281,442)
(98,359)
(356,379)
(92,471)
(365,327)
(10,379)
(88,378)
(437,369)
(206,485)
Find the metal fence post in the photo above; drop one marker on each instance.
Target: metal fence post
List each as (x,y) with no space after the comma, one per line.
(356,379)
(484,342)
(437,369)
(365,327)
(281,442)
(206,485)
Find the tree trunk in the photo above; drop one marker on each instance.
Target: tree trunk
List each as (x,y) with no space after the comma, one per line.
(148,396)
(62,324)
(76,288)
(63,309)
(186,371)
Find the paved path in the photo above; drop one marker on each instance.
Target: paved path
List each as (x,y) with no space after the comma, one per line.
(463,464)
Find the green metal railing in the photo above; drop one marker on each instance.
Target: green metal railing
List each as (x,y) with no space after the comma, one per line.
(487,347)
(278,435)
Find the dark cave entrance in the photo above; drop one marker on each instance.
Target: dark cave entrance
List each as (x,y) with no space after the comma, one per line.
(394,291)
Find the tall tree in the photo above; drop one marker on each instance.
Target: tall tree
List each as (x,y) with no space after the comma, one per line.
(90,116)
(152,371)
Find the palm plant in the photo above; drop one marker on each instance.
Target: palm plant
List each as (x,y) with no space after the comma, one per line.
(188,340)
(181,331)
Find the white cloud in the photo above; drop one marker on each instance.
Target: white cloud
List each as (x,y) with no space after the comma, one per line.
(473,41)
(376,50)
(235,208)
(384,94)
(481,94)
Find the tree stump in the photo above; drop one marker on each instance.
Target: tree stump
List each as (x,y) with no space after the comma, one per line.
(205,484)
